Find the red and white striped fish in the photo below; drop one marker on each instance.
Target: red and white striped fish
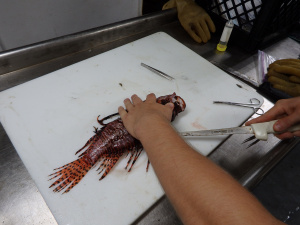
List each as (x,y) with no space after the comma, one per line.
(106,147)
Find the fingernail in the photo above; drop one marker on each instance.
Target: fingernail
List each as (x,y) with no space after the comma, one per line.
(277,126)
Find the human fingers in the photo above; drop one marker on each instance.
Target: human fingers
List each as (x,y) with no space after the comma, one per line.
(166,110)
(277,111)
(285,135)
(170,105)
(263,118)
(136,99)
(286,122)
(169,111)
(128,104)
(122,112)
(151,97)
(289,112)
(296,134)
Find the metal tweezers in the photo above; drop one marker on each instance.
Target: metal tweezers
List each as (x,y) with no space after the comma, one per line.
(158,72)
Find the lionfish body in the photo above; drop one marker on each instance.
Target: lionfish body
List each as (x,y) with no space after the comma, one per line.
(106,147)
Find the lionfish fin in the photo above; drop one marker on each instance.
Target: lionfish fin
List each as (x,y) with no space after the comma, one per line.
(107,163)
(134,155)
(88,143)
(69,175)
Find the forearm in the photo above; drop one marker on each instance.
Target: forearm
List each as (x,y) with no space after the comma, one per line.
(198,189)
(200,192)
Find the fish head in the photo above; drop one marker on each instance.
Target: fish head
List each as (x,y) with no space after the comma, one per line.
(179,103)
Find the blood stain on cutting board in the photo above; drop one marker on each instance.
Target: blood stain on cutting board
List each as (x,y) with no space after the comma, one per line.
(197,125)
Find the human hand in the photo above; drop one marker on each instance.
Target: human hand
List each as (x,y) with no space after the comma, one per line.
(287,112)
(142,115)
(193,18)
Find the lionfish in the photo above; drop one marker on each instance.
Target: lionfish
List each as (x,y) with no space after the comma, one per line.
(106,147)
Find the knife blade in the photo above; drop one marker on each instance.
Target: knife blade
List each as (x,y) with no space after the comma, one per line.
(223,131)
(260,130)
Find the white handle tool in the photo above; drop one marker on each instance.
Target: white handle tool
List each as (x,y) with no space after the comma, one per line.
(261,130)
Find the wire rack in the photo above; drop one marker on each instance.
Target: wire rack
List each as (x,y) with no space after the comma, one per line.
(258,21)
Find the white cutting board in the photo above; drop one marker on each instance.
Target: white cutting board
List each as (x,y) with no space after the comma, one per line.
(48,119)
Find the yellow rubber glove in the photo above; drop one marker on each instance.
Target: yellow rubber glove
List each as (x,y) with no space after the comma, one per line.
(193,18)
(292,89)
(289,67)
(284,75)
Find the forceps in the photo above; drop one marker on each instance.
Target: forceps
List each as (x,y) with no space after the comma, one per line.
(158,72)
(254,103)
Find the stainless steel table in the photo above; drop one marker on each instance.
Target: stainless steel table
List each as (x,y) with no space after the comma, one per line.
(20,200)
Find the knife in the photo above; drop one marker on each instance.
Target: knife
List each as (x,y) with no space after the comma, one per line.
(260,130)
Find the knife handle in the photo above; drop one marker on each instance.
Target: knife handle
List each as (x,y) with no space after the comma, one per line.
(261,130)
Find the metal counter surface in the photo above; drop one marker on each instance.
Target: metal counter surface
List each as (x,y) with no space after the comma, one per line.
(20,200)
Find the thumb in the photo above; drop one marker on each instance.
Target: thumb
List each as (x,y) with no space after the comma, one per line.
(170,105)
(286,122)
(169,112)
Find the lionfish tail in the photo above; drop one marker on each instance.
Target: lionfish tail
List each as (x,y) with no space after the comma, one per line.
(69,175)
